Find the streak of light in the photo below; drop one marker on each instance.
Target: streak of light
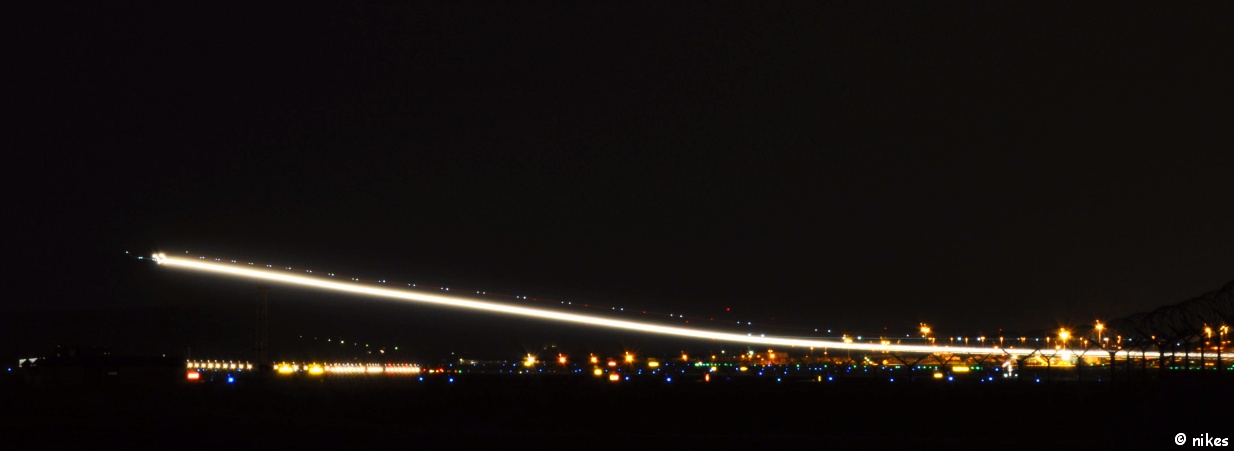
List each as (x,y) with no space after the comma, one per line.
(245,271)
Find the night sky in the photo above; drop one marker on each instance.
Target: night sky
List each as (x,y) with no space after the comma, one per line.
(838,165)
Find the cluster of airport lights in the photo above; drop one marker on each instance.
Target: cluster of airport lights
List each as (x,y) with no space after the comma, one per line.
(350,368)
(196,367)
(623,367)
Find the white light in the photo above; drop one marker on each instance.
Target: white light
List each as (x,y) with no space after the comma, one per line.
(461,302)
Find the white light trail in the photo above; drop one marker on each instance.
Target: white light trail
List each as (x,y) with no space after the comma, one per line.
(245,271)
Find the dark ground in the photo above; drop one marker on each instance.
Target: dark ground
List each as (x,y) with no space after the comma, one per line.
(582,412)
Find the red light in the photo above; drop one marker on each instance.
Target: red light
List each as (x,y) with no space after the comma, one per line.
(193,375)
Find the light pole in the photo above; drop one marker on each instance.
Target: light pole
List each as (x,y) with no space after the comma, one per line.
(1063,336)
(1208,337)
(1221,344)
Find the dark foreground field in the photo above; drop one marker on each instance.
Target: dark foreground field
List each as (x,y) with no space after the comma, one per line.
(584,413)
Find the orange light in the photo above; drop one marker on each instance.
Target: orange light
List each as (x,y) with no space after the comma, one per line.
(193,375)
(595,359)
(561,360)
(614,377)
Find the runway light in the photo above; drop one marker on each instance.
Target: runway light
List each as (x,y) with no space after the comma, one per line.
(193,375)
(614,377)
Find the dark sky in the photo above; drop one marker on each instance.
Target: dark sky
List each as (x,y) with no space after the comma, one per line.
(850,165)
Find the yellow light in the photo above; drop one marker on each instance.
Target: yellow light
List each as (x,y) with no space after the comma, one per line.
(925,329)
(595,359)
(629,358)
(1063,334)
(938,375)
(285,370)
(959,369)
(1100,327)
(614,377)
(743,369)
(684,357)
(612,363)
(530,361)
(597,372)
(316,370)
(653,364)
